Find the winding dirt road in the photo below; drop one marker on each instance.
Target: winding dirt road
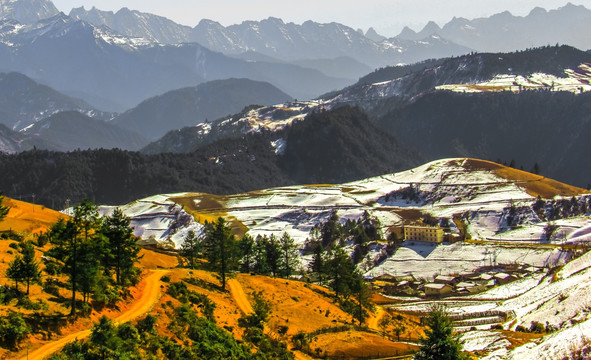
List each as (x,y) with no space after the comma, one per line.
(149,297)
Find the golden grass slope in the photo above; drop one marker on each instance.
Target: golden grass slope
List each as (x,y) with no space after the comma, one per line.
(28,218)
(533,184)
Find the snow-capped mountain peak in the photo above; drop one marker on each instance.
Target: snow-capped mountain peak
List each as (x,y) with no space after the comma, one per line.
(27,11)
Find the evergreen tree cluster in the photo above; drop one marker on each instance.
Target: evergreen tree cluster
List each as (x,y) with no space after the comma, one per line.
(117,176)
(560,208)
(98,254)
(24,267)
(195,336)
(265,255)
(327,147)
(342,145)
(332,265)
(269,255)
(333,233)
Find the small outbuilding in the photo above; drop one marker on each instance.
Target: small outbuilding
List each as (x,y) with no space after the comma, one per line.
(437,290)
(445,279)
(504,278)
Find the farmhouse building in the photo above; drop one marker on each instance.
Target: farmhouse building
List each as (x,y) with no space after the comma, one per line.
(424,233)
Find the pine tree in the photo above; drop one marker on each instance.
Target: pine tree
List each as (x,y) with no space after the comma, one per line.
(362,294)
(289,255)
(341,272)
(318,264)
(246,246)
(29,267)
(273,254)
(260,255)
(220,249)
(13,272)
(440,343)
(191,248)
(124,251)
(69,237)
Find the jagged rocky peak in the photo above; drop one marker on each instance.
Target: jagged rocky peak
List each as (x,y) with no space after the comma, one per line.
(27,11)
(407,33)
(537,11)
(431,28)
(372,34)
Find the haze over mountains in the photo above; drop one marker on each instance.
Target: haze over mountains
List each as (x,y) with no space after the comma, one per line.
(194,105)
(504,32)
(115,61)
(113,72)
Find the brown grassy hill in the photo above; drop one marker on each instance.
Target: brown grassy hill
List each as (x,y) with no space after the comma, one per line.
(533,184)
(28,218)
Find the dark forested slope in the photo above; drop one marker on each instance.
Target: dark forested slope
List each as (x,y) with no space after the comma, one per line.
(332,146)
(548,128)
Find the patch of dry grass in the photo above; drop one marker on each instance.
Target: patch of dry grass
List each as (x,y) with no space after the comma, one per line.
(533,184)
(208,208)
(295,304)
(357,344)
(28,218)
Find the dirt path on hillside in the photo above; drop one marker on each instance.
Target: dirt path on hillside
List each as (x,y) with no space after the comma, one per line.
(243,303)
(239,296)
(150,296)
(374,320)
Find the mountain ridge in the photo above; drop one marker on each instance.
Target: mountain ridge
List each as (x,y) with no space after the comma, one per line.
(115,73)
(24,101)
(194,105)
(503,31)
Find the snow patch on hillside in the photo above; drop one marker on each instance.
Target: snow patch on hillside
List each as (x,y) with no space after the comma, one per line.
(158,220)
(575,81)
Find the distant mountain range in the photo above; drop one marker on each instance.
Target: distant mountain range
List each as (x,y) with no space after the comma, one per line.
(312,41)
(505,32)
(273,37)
(46,119)
(427,105)
(68,131)
(114,72)
(71,130)
(27,12)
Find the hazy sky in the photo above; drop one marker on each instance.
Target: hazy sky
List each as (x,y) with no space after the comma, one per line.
(388,17)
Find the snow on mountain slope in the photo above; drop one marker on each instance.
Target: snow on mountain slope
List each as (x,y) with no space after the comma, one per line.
(27,11)
(576,81)
(559,300)
(251,120)
(553,277)
(135,24)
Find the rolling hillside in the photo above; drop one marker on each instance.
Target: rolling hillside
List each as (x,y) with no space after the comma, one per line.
(24,102)
(28,218)
(71,130)
(191,106)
